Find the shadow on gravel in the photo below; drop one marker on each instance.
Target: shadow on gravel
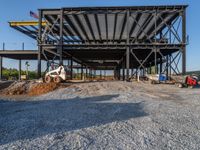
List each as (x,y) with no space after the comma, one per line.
(33,119)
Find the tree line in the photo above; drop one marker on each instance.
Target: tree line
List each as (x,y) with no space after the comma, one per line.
(13,74)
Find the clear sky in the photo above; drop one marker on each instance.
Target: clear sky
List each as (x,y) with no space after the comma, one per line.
(18,10)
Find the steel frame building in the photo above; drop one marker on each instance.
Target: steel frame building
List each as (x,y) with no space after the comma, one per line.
(151,39)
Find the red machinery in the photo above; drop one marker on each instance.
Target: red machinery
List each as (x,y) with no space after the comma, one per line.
(189,81)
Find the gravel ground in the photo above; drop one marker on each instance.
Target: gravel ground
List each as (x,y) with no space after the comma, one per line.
(104,115)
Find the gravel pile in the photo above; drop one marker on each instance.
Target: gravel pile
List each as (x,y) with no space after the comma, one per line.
(104,115)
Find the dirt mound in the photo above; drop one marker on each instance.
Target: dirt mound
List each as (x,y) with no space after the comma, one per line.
(18,88)
(32,88)
(42,88)
(5,84)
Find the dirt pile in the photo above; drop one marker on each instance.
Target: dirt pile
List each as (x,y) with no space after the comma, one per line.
(18,88)
(31,88)
(5,84)
(42,88)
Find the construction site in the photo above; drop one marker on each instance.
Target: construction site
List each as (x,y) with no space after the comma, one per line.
(115,78)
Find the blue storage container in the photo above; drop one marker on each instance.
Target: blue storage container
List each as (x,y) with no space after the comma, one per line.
(162,77)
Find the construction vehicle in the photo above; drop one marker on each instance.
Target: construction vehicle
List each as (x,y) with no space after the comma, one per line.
(157,78)
(56,74)
(190,81)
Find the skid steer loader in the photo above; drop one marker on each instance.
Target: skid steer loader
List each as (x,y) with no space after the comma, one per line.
(57,74)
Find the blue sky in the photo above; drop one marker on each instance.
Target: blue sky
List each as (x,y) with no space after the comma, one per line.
(18,10)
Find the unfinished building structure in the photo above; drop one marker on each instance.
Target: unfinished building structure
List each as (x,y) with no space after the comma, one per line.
(149,39)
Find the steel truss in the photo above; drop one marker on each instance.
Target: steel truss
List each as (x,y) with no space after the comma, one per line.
(151,39)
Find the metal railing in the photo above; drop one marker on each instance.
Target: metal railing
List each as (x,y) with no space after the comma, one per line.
(18,46)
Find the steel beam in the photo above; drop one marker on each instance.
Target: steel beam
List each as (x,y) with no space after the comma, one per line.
(94,47)
(25,23)
(133,8)
(135,23)
(51,30)
(26,33)
(98,26)
(123,26)
(115,25)
(71,24)
(89,26)
(80,24)
(162,25)
(106,24)
(143,26)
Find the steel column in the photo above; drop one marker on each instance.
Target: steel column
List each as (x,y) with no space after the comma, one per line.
(71,67)
(119,75)
(1,64)
(1,67)
(155,50)
(170,67)
(61,37)
(184,41)
(86,71)
(161,65)
(55,36)
(155,61)
(127,48)
(131,72)
(123,71)
(20,67)
(127,63)
(90,73)
(40,42)
(150,68)
(167,65)
(136,72)
(81,71)
(115,74)
(20,64)
(100,74)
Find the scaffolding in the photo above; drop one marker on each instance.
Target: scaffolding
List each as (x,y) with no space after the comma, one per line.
(151,39)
